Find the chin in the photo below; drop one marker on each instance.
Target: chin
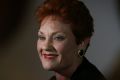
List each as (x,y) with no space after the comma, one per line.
(50,65)
(49,68)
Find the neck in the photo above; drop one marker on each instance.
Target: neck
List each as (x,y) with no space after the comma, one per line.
(61,77)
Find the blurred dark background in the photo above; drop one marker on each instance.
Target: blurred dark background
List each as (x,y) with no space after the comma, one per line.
(118,7)
(11,14)
(18,34)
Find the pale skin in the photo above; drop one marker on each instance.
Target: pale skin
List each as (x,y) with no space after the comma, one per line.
(57,47)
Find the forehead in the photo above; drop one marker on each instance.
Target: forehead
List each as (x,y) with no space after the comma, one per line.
(54,24)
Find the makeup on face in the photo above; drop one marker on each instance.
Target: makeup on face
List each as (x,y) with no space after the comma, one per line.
(56,44)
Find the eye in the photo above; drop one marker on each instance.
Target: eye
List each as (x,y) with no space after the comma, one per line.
(59,38)
(40,37)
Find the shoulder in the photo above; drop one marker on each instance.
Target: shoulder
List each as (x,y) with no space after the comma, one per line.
(87,71)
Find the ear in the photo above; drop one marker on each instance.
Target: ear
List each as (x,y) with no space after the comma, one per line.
(84,43)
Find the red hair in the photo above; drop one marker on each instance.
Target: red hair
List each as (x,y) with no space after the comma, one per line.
(73,12)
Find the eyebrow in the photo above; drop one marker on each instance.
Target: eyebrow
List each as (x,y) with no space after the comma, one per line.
(52,33)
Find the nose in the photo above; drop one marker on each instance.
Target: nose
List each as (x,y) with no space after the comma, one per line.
(48,46)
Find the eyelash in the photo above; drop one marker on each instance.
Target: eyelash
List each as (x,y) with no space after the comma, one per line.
(41,37)
(57,38)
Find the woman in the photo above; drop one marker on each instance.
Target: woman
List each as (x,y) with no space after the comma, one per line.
(66,27)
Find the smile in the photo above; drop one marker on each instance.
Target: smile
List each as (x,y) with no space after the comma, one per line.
(50,56)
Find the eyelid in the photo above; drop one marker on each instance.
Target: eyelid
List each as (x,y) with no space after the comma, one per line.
(41,37)
(59,35)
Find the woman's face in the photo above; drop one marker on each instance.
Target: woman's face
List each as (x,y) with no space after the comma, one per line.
(56,45)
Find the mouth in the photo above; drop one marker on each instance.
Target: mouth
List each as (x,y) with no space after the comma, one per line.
(50,56)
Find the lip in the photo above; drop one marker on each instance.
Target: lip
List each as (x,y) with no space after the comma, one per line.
(50,56)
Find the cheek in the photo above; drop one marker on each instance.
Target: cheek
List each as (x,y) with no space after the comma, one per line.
(38,46)
(39,49)
(62,47)
(66,47)
(66,51)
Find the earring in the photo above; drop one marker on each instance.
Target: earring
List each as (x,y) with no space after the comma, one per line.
(81,53)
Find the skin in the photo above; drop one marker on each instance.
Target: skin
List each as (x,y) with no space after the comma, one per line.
(56,38)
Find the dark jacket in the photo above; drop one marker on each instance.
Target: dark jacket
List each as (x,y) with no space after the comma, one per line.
(86,71)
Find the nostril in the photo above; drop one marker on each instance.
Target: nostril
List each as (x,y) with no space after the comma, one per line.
(50,49)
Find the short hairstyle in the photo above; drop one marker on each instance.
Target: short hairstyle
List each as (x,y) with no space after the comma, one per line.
(72,12)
